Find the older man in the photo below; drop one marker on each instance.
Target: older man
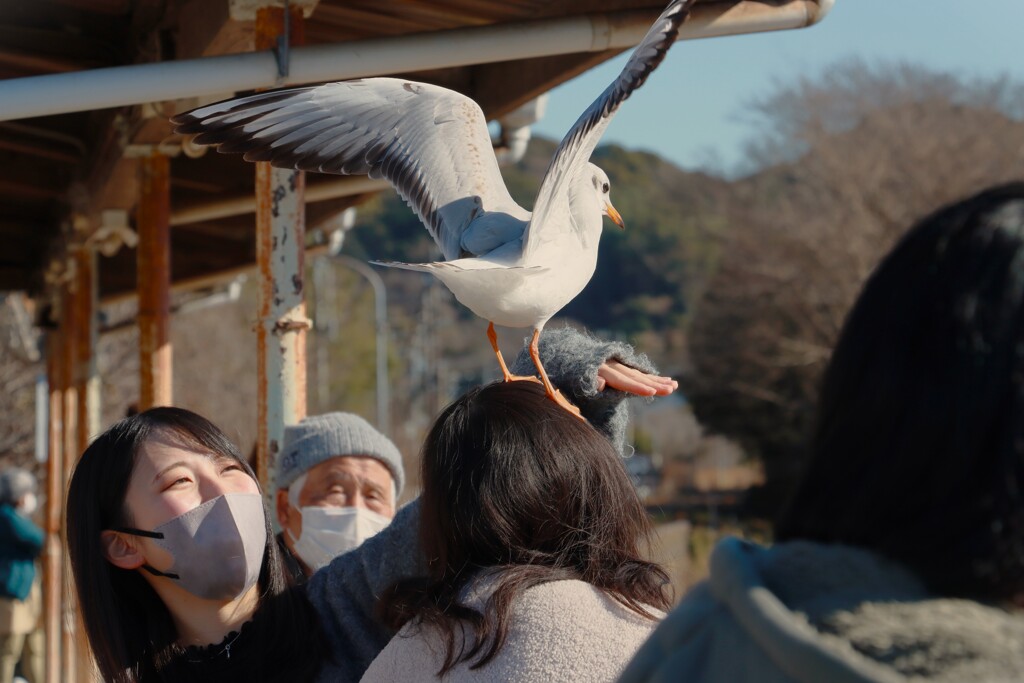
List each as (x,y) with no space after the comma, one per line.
(338,484)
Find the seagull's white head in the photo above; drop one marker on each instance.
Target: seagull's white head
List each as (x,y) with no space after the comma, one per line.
(602,187)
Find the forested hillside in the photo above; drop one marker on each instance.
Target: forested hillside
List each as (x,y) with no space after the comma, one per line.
(648,275)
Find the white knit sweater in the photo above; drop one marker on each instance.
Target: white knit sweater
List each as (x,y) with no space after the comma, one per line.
(560,631)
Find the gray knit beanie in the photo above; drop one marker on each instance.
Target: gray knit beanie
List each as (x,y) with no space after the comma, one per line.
(322,437)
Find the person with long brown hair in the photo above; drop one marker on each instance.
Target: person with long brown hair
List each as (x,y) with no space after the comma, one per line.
(532,533)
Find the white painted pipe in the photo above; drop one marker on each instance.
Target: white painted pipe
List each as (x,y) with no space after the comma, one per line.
(160,81)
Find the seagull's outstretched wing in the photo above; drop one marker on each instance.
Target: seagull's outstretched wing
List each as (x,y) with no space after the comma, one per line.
(576,147)
(431,143)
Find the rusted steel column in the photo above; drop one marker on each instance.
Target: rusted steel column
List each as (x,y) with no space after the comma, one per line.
(154,282)
(280,252)
(87,379)
(87,419)
(53,556)
(71,324)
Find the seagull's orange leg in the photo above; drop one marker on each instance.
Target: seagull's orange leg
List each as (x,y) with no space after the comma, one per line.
(509,377)
(553,393)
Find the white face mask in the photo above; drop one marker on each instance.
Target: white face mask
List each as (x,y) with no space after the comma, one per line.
(329,532)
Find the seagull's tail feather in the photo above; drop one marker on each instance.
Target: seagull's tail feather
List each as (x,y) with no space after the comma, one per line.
(467,264)
(419,267)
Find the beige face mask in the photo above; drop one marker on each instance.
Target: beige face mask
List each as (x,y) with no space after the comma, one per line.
(217,547)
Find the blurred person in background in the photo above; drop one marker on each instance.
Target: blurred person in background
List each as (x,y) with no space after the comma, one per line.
(21,542)
(901,555)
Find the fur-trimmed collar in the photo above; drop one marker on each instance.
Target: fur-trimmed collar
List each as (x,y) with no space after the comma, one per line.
(865,611)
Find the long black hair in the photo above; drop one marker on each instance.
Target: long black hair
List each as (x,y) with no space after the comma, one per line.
(130,629)
(918,450)
(513,482)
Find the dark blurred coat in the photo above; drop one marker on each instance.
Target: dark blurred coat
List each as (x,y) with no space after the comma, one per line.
(21,541)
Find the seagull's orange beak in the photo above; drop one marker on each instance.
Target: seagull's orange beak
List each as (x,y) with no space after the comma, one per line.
(612,213)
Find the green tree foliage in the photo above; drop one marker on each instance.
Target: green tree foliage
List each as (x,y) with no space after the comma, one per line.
(848,162)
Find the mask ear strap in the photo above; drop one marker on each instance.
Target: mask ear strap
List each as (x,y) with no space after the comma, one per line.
(146,534)
(138,532)
(157,572)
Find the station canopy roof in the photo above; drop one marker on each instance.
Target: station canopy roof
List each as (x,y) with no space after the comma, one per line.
(64,175)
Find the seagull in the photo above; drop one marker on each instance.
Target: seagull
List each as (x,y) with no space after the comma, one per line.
(509,266)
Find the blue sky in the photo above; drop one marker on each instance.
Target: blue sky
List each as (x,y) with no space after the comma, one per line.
(691,109)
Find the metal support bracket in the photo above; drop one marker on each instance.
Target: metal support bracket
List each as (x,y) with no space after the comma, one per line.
(292,324)
(282,53)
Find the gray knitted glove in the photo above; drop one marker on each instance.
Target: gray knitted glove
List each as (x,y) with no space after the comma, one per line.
(571,359)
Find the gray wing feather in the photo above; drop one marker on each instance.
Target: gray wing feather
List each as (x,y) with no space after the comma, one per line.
(430,143)
(578,144)
(490,232)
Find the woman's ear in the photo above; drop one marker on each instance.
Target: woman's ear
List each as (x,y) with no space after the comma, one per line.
(283,511)
(120,550)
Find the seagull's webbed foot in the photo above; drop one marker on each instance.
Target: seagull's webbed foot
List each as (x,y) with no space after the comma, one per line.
(522,378)
(566,403)
(554,394)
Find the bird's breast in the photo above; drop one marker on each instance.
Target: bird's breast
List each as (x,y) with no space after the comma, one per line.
(520,297)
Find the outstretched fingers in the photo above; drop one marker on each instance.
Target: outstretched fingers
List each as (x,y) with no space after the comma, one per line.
(624,378)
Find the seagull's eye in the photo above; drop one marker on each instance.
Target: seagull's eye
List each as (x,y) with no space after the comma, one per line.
(605,188)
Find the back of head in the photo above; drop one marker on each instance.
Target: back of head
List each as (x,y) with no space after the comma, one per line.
(15,483)
(918,450)
(513,482)
(543,487)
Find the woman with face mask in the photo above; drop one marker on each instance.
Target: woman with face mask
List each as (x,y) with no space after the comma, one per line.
(178,575)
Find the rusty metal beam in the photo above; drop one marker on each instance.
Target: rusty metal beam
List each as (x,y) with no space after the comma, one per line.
(71,325)
(40,151)
(212,31)
(280,251)
(53,556)
(28,191)
(112,7)
(226,207)
(154,282)
(34,63)
(85,379)
(501,88)
(207,280)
